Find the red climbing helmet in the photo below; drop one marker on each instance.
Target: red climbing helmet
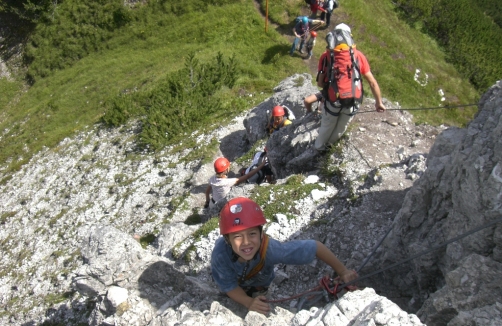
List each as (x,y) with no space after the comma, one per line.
(313,34)
(278,111)
(239,214)
(221,164)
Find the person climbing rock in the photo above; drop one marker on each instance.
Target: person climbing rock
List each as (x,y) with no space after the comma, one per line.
(243,259)
(339,74)
(278,119)
(219,184)
(265,174)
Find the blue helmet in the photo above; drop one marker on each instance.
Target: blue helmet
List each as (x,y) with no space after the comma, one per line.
(305,20)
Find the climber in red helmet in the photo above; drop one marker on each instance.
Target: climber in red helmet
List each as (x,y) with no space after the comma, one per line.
(219,184)
(278,119)
(243,260)
(310,44)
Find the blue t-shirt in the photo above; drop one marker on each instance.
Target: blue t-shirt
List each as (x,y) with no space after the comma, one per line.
(303,29)
(226,273)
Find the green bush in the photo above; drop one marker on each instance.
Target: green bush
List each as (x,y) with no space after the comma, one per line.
(121,109)
(70,32)
(28,10)
(473,43)
(180,103)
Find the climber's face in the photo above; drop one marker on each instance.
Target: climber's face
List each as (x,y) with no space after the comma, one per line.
(278,120)
(245,243)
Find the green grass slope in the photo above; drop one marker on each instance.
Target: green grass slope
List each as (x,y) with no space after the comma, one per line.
(154,45)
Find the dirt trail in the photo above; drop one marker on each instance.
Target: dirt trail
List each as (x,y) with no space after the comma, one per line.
(286,31)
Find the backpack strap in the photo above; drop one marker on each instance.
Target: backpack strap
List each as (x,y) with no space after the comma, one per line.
(263,255)
(323,68)
(356,74)
(335,114)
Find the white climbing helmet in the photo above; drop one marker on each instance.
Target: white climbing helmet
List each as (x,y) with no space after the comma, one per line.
(343,27)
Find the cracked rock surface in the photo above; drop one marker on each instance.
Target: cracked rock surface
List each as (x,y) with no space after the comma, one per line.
(69,216)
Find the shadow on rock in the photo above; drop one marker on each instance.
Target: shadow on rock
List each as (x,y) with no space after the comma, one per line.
(75,313)
(234,145)
(159,283)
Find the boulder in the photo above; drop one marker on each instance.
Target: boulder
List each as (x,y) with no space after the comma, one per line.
(460,191)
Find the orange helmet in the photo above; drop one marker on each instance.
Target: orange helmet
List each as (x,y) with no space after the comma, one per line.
(278,111)
(313,34)
(221,164)
(239,214)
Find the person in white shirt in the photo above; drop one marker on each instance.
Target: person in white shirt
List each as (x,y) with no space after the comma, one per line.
(220,184)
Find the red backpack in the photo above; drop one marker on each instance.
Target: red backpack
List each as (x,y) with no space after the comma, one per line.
(343,86)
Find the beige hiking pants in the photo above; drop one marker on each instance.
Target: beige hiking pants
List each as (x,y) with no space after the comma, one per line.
(332,127)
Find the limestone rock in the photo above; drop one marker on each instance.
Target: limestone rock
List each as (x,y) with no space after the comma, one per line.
(460,190)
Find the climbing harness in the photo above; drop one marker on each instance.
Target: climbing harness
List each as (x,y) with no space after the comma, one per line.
(329,288)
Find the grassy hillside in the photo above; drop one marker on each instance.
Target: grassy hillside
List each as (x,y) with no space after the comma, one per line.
(136,59)
(150,46)
(395,51)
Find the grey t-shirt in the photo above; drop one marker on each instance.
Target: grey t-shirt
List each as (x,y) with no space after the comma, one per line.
(221,186)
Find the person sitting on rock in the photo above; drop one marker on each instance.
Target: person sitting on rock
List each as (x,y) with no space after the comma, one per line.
(243,260)
(278,119)
(264,174)
(220,184)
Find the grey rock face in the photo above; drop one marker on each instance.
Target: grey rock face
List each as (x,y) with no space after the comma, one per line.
(290,92)
(69,215)
(160,296)
(476,284)
(460,190)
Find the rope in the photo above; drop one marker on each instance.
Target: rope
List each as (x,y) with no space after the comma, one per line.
(374,249)
(362,156)
(429,108)
(315,291)
(499,220)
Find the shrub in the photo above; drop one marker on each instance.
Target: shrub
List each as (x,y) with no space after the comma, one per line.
(183,101)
